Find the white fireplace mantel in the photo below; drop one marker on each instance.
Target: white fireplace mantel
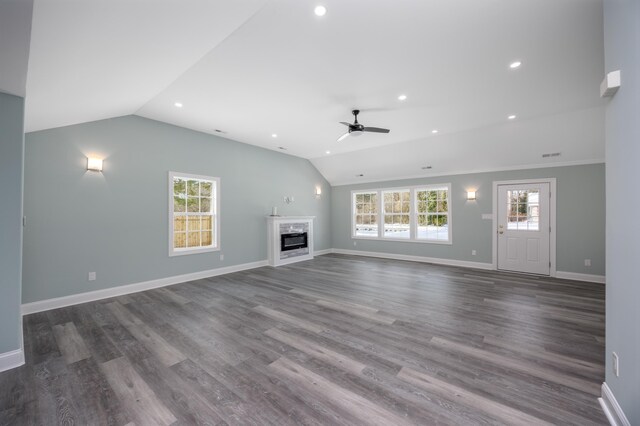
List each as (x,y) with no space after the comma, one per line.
(275,227)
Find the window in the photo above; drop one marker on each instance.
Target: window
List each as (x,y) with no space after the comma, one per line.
(365,208)
(194,203)
(523,210)
(418,214)
(397,208)
(432,209)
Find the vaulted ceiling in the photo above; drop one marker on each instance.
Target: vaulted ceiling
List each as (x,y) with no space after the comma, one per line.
(251,69)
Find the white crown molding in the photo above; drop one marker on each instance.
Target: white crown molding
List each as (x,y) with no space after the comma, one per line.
(12,359)
(477,171)
(74,299)
(575,276)
(611,408)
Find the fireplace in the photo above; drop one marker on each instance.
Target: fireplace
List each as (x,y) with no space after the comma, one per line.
(290,239)
(293,241)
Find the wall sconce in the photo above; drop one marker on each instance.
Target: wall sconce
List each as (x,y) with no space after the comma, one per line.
(318,191)
(471,195)
(94,164)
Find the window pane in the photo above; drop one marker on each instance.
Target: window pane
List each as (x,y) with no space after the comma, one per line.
(193,239)
(388,197)
(422,207)
(179,204)
(388,207)
(193,204)
(179,186)
(359,208)
(206,238)
(193,223)
(179,240)
(179,223)
(366,198)
(405,207)
(205,189)
(359,220)
(205,205)
(206,222)
(193,188)
(405,196)
(359,198)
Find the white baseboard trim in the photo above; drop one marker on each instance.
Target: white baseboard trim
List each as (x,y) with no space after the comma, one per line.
(74,299)
(435,260)
(12,359)
(321,252)
(581,277)
(611,408)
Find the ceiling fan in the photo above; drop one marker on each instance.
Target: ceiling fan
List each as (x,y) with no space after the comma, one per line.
(356,129)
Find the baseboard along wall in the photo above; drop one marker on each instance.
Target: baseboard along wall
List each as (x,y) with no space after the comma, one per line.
(12,359)
(611,408)
(60,302)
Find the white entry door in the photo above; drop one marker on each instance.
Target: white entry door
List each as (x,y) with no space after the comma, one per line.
(524,228)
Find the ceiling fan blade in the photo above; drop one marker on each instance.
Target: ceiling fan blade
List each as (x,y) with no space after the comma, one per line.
(343,136)
(346,124)
(376,130)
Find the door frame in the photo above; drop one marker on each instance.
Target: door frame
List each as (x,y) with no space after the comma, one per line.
(552,218)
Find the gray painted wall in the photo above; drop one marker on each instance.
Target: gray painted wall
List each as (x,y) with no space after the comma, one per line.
(11,164)
(622,51)
(580,217)
(116,222)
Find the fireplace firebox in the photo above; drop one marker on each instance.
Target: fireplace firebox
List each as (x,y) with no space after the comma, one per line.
(293,241)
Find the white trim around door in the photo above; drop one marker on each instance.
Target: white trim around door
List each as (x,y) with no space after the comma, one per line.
(552,219)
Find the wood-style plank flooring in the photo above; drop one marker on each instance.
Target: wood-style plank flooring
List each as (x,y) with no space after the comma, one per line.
(335,340)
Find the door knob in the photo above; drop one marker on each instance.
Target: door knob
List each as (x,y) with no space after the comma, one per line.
(501,232)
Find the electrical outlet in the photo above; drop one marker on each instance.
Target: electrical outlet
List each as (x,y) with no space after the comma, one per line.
(587,262)
(92,276)
(355,243)
(616,364)
(473,252)
(221,256)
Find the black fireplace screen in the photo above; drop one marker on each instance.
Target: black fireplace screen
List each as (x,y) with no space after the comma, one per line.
(293,241)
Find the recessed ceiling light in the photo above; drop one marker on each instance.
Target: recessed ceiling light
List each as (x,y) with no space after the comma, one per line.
(515,64)
(512,117)
(178,104)
(219,131)
(282,148)
(320,10)
(274,135)
(426,167)
(434,131)
(402,97)
(359,175)
(328,152)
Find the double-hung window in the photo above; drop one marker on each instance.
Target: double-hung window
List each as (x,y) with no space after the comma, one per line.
(418,213)
(432,211)
(397,209)
(194,205)
(365,214)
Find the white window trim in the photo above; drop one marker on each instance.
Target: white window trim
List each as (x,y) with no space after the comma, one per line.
(412,215)
(216,216)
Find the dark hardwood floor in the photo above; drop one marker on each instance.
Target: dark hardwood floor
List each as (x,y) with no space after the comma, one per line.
(335,340)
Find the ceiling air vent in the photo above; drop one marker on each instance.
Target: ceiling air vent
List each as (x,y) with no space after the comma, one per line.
(551,154)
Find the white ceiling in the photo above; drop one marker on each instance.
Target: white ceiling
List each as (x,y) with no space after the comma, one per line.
(254,68)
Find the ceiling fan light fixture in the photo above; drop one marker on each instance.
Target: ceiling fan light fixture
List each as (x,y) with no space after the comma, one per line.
(320,10)
(355,133)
